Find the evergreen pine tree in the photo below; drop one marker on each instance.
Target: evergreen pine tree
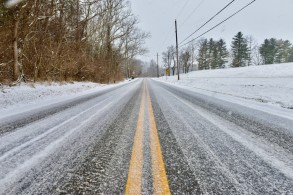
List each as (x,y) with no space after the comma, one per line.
(250,41)
(210,53)
(222,53)
(268,51)
(279,52)
(264,51)
(284,50)
(202,55)
(240,51)
(291,55)
(214,58)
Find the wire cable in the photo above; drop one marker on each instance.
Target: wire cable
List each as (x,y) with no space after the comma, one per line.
(208,21)
(218,23)
(171,27)
(180,12)
(189,16)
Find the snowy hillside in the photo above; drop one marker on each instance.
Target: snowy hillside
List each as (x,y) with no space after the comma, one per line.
(271,84)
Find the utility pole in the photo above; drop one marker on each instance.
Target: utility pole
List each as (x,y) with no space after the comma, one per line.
(178,68)
(158,65)
(169,62)
(192,51)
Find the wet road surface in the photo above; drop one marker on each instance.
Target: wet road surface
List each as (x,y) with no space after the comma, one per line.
(146,137)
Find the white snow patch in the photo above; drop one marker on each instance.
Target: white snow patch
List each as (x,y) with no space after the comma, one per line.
(11,3)
(27,96)
(270,84)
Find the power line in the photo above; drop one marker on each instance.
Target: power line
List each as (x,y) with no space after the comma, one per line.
(182,8)
(167,37)
(192,12)
(171,27)
(196,8)
(208,21)
(219,23)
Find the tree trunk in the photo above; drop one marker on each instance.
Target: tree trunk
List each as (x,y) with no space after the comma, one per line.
(16,71)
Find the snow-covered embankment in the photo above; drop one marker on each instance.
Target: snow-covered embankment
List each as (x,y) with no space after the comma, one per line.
(27,96)
(271,84)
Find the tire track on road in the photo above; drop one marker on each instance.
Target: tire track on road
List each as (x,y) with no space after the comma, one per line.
(181,177)
(11,123)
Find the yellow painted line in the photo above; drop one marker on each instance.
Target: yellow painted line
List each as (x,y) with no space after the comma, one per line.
(160,180)
(133,185)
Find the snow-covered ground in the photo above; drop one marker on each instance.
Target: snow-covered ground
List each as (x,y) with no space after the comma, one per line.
(267,84)
(29,95)
(270,84)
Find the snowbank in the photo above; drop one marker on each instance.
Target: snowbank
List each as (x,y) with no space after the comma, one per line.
(29,95)
(271,84)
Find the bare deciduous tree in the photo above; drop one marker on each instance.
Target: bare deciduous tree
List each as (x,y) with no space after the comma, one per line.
(68,40)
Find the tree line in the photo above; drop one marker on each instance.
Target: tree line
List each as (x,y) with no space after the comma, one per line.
(94,40)
(214,54)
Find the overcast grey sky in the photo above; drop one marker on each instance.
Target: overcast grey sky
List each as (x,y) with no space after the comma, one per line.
(262,19)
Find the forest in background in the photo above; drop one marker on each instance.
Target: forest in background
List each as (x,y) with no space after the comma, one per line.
(206,54)
(69,40)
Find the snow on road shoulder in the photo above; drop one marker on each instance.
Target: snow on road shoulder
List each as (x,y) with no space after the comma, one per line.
(266,85)
(32,95)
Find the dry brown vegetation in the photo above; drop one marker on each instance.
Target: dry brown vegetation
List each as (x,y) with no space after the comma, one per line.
(64,40)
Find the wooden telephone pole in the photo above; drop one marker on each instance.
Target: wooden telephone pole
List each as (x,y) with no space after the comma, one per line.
(178,68)
(158,65)
(169,62)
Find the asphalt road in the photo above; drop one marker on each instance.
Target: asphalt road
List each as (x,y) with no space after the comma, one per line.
(146,137)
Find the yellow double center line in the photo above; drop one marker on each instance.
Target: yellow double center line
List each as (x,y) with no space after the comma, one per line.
(160,181)
(133,185)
